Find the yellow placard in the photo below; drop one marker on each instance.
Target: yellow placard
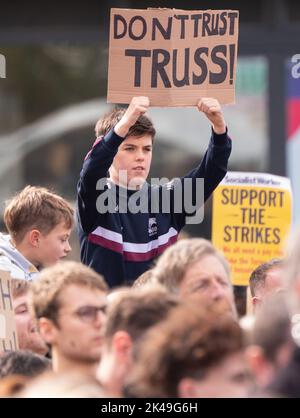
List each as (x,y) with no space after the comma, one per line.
(252,215)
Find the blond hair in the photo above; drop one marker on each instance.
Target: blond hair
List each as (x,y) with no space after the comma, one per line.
(44,293)
(174,262)
(144,279)
(36,208)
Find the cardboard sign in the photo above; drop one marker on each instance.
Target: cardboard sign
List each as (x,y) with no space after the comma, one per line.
(174,57)
(252,215)
(8,334)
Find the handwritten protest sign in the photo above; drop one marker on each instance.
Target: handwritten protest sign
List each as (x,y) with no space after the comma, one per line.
(251,219)
(174,57)
(8,335)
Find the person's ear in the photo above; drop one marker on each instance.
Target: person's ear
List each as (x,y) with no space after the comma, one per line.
(34,237)
(256,302)
(122,344)
(187,388)
(48,330)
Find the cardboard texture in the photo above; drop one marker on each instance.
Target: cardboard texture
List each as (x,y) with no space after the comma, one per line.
(174,57)
(8,334)
(252,217)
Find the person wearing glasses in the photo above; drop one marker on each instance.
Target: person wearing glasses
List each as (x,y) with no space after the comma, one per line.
(68,302)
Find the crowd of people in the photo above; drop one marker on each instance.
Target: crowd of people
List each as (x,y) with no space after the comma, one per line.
(141,315)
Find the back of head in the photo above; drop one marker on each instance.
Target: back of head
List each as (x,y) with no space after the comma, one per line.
(36,208)
(187,344)
(143,126)
(23,363)
(44,296)
(272,326)
(136,310)
(174,262)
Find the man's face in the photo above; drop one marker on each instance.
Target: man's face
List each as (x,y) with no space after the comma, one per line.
(79,333)
(209,278)
(134,157)
(273,283)
(28,336)
(54,246)
(228,379)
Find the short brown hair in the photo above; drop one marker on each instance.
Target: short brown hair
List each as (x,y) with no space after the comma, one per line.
(36,208)
(44,295)
(143,126)
(258,276)
(136,310)
(190,342)
(173,263)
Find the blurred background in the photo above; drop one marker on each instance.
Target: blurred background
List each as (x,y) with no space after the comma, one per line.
(56,57)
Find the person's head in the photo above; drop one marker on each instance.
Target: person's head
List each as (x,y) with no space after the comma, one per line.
(130,314)
(266,279)
(271,344)
(28,336)
(136,310)
(39,223)
(145,279)
(68,301)
(23,363)
(132,162)
(195,352)
(195,266)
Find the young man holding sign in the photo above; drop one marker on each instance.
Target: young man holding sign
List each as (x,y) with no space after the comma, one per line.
(123,222)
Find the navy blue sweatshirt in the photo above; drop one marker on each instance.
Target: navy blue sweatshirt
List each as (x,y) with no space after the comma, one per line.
(121,246)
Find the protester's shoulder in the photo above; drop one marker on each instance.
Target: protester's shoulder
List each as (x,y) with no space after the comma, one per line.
(4,245)
(7,262)
(4,239)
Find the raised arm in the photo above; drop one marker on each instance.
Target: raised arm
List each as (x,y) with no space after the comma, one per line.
(137,107)
(212,110)
(99,160)
(213,166)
